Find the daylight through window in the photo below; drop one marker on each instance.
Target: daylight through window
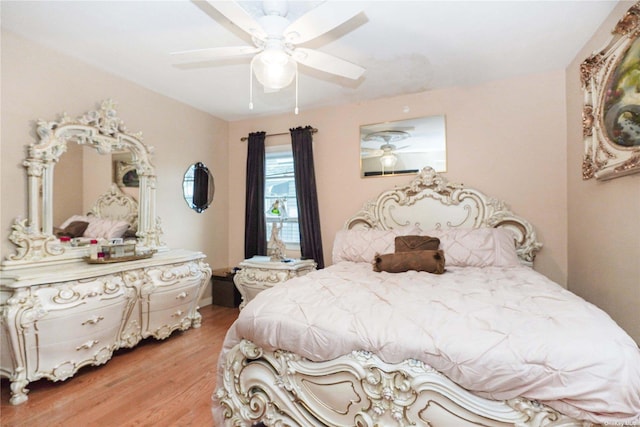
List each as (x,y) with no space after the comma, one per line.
(280,186)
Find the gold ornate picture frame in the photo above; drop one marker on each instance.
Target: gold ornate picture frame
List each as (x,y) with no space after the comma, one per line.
(126,174)
(611,114)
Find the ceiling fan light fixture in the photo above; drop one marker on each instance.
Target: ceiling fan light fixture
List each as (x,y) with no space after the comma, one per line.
(388,160)
(274,68)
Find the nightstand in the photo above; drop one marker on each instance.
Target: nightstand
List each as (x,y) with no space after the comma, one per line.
(223,291)
(259,273)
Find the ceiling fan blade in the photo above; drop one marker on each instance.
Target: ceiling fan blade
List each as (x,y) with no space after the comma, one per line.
(328,63)
(236,14)
(211,54)
(371,154)
(320,20)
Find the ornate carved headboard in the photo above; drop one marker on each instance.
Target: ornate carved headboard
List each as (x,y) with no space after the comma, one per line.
(431,202)
(117,205)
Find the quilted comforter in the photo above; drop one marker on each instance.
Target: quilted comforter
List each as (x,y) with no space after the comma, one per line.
(501,332)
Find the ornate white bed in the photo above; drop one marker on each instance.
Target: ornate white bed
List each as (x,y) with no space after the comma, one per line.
(287,379)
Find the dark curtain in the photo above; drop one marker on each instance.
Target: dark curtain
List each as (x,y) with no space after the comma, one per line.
(308,210)
(255,242)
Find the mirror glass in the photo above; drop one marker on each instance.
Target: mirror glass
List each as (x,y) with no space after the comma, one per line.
(198,187)
(403,147)
(82,175)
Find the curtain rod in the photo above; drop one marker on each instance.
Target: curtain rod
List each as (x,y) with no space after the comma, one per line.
(246,138)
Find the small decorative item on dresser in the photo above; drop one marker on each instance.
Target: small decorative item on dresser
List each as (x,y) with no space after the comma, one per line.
(259,273)
(223,290)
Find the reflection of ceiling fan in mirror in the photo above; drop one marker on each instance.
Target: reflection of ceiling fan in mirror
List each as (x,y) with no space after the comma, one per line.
(275,40)
(386,148)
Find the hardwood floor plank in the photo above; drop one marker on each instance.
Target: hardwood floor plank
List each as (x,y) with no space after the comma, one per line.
(157,383)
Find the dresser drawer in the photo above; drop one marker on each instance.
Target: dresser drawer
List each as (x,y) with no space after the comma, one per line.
(173,298)
(66,325)
(160,323)
(65,343)
(166,277)
(61,360)
(85,294)
(172,304)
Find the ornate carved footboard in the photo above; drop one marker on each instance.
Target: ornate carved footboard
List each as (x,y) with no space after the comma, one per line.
(283,389)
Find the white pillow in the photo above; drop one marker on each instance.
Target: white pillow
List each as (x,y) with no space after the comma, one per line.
(362,245)
(477,247)
(106,228)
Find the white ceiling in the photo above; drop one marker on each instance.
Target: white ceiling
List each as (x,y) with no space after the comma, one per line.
(405,46)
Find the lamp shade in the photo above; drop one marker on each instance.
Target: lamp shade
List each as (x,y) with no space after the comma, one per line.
(274,68)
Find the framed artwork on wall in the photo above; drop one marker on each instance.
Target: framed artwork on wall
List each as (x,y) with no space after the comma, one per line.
(126,174)
(611,113)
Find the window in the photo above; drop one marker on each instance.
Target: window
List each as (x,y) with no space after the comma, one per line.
(280,185)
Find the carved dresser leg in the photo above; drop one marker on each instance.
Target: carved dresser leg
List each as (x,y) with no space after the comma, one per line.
(18,388)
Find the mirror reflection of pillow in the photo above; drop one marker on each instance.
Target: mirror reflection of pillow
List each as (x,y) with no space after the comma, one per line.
(106,228)
(74,218)
(73,229)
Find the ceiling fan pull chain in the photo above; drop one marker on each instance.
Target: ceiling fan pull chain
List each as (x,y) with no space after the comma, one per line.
(251,86)
(296,109)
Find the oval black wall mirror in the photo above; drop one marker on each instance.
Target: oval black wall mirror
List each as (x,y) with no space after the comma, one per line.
(198,187)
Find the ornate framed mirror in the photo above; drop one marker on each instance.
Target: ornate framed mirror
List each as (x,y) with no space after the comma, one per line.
(611,111)
(198,187)
(403,146)
(105,134)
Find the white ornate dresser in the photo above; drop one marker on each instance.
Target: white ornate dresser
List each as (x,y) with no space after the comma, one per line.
(56,320)
(259,273)
(60,309)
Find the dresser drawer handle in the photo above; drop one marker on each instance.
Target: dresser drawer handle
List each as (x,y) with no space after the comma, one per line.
(182,295)
(87,345)
(178,313)
(93,320)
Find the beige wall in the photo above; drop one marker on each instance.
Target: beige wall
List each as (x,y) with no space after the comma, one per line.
(518,140)
(604,231)
(38,83)
(505,138)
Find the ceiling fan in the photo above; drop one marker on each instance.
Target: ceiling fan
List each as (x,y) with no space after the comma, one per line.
(276,41)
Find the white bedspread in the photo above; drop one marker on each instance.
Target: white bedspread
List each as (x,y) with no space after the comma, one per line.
(499,332)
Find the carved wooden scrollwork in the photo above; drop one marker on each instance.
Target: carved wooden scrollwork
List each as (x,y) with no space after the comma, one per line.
(419,204)
(104,131)
(371,393)
(611,110)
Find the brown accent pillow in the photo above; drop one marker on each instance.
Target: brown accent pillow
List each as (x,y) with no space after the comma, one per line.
(428,260)
(130,233)
(416,243)
(74,229)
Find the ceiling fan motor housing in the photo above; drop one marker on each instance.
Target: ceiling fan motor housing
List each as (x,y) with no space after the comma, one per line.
(275,7)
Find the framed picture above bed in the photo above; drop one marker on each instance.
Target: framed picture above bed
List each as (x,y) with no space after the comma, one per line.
(611,114)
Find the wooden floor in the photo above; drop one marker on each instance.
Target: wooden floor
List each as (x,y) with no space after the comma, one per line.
(157,383)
